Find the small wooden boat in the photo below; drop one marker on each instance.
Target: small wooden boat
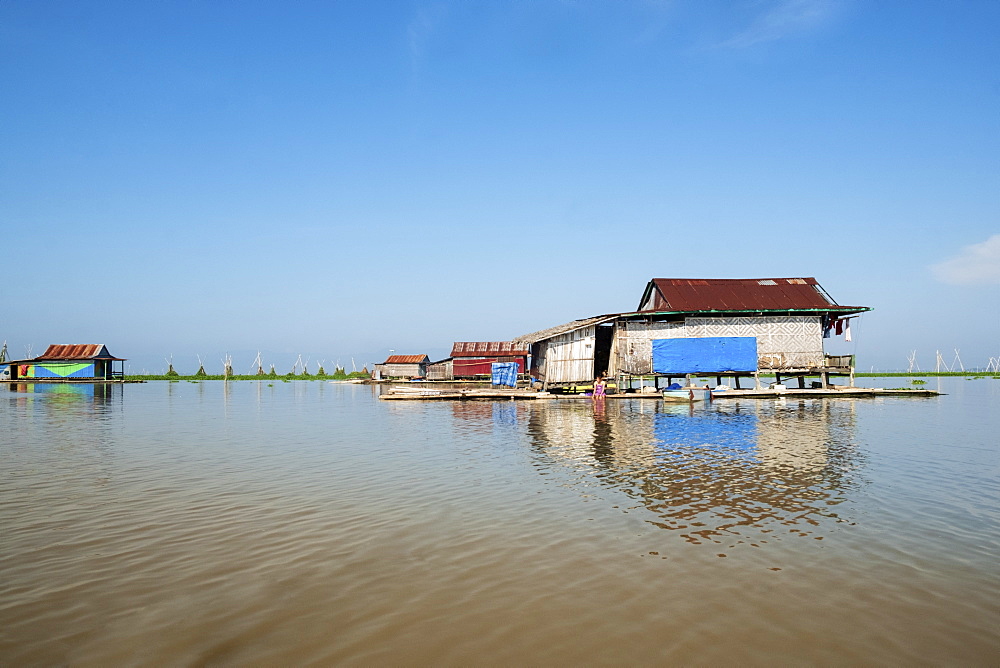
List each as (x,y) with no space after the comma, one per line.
(687,395)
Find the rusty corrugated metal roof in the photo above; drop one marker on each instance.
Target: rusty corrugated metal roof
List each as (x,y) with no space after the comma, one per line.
(486,349)
(737,294)
(406,359)
(76,351)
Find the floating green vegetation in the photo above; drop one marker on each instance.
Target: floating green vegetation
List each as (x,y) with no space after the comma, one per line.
(911,374)
(917,381)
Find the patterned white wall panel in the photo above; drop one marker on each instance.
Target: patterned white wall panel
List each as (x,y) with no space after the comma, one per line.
(633,344)
(782,341)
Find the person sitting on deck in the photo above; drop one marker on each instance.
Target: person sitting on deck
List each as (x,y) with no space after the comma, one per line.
(599,387)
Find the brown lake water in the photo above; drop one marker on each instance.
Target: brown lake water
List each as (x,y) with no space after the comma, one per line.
(308,523)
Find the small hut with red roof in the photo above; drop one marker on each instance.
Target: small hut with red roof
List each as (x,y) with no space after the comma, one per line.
(403,366)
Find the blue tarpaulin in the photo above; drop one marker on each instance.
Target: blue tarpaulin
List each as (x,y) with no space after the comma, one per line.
(710,354)
(504,373)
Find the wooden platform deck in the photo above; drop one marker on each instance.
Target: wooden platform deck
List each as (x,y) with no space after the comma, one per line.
(430,394)
(821,392)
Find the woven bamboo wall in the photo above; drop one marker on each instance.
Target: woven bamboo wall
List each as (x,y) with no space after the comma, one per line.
(783,342)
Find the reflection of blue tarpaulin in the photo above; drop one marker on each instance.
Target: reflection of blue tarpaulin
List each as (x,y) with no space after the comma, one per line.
(504,414)
(730,435)
(504,373)
(710,354)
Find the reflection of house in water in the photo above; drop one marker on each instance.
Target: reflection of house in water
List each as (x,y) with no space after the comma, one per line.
(94,397)
(803,435)
(497,418)
(739,471)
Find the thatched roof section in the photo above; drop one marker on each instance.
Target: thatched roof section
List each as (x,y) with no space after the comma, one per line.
(551,332)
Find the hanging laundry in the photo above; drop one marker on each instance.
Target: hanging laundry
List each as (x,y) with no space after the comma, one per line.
(847,330)
(826,326)
(840,326)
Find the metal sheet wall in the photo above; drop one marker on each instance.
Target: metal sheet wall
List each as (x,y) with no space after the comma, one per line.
(478,367)
(58,370)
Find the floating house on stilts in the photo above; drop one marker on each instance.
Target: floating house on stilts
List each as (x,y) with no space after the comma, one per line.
(729,329)
(402,366)
(86,362)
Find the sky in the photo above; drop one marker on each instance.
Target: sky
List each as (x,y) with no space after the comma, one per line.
(338,180)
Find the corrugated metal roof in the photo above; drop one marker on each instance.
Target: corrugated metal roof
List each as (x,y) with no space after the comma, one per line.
(737,294)
(486,349)
(541,335)
(76,351)
(406,359)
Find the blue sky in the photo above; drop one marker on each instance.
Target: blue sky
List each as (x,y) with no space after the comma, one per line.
(338,179)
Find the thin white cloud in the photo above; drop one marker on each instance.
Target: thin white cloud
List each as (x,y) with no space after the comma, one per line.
(420,30)
(785,18)
(978,264)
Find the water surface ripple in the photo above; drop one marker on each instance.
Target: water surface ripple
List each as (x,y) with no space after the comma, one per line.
(279,523)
